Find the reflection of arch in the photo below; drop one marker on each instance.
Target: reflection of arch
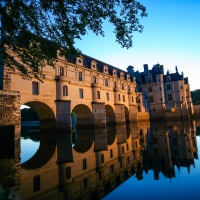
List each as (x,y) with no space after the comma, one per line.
(85,139)
(83,115)
(110,115)
(45,114)
(111,134)
(126,114)
(44,153)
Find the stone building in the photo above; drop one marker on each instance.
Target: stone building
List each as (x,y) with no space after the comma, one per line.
(163,95)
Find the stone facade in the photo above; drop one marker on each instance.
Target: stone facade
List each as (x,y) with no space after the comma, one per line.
(164,96)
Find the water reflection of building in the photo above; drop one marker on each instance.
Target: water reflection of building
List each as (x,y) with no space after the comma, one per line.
(91,163)
(170,145)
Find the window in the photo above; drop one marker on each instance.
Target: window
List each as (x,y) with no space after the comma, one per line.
(181,87)
(111,153)
(84,164)
(132,99)
(61,71)
(85,183)
(123,149)
(115,85)
(112,168)
(35,87)
(128,159)
(175,141)
(139,108)
(94,79)
(121,164)
(136,144)
(36,183)
(150,89)
(107,96)
(68,172)
(129,88)
(160,88)
(98,94)
(81,93)
(151,99)
(168,87)
(169,97)
(127,147)
(123,98)
(106,82)
(160,99)
(149,80)
(122,86)
(80,76)
(119,97)
(65,90)
(102,158)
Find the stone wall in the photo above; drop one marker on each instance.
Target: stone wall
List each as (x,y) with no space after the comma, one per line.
(10,111)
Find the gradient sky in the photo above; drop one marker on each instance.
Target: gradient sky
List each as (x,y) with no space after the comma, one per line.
(171,37)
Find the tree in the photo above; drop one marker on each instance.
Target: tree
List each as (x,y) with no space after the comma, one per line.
(195,97)
(30,25)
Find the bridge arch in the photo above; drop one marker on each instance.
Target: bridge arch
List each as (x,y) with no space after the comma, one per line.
(110,115)
(83,115)
(45,114)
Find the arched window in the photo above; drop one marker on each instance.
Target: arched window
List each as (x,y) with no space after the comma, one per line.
(98,94)
(65,90)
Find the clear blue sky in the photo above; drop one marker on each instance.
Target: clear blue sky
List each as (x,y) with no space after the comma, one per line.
(171,37)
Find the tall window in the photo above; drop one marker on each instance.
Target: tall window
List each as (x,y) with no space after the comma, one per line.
(122,86)
(151,99)
(36,183)
(81,93)
(169,97)
(107,96)
(102,158)
(150,89)
(115,84)
(94,79)
(168,87)
(119,97)
(98,94)
(123,98)
(61,71)
(65,90)
(68,172)
(149,80)
(111,153)
(80,76)
(132,99)
(84,164)
(106,82)
(35,87)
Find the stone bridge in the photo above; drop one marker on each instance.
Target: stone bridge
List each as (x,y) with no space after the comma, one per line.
(97,93)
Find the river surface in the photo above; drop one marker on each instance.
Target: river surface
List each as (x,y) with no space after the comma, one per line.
(136,161)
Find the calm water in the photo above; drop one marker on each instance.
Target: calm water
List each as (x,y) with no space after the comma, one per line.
(136,161)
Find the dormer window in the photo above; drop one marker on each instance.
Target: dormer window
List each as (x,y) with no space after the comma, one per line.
(105,69)
(168,79)
(121,74)
(114,72)
(128,77)
(79,60)
(93,65)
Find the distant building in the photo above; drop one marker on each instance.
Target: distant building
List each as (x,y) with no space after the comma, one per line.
(163,95)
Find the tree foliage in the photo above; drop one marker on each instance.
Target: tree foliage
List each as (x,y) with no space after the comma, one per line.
(195,97)
(61,22)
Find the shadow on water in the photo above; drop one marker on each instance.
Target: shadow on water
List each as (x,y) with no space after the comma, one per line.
(95,163)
